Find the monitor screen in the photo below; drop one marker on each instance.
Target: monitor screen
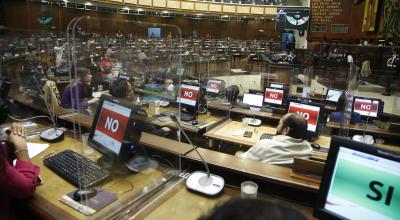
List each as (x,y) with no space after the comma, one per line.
(111,124)
(188,95)
(333,95)
(215,86)
(360,182)
(277,85)
(309,112)
(365,106)
(253,99)
(154,32)
(273,96)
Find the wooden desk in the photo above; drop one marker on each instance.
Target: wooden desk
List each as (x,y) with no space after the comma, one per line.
(224,132)
(370,129)
(172,201)
(255,169)
(150,140)
(205,122)
(36,104)
(45,201)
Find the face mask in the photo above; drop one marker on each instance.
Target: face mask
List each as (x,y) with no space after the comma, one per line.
(170,88)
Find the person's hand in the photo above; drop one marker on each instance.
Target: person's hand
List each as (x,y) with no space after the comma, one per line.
(17,137)
(17,129)
(93,100)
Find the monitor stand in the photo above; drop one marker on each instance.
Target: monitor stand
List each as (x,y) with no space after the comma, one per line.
(107,161)
(140,163)
(187,115)
(312,136)
(137,163)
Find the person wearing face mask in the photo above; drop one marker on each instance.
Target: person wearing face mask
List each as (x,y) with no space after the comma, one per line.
(122,89)
(168,91)
(289,142)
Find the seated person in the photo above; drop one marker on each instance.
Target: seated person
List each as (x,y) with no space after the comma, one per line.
(19,181)
(338,116)
(122,89)
(289,142)
(253,209)
(78,94)
(168,91)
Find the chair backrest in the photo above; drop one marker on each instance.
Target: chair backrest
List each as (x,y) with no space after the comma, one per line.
(51,95)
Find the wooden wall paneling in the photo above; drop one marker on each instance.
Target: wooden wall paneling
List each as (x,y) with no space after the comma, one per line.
(17,19)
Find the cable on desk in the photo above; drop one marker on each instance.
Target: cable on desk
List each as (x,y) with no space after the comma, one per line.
(27,119)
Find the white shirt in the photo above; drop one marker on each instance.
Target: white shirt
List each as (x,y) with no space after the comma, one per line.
(281,149)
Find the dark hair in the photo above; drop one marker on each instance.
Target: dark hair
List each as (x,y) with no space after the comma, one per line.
(119,88)
(297,125)
(341,104)
(253,209)
(81,72)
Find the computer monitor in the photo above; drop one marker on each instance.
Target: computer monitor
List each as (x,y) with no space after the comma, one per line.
(274,96)
(189,95)
(277,85)
(254,100)
(154,32)
(115,122)
(333,95)
(368,107)
(359,181)
(215,86)
(309,111)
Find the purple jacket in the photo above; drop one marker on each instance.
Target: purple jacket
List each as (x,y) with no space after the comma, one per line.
(76,99)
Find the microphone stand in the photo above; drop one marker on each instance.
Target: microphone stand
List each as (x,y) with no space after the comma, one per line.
(204,183)
(173,117)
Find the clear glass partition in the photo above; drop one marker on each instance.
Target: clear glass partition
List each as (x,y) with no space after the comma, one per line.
(64,77)
(127,81)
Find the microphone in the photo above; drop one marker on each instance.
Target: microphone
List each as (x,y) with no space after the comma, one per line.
(199,181)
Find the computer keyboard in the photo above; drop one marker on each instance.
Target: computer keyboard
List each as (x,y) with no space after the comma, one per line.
(76,169)
(266,136)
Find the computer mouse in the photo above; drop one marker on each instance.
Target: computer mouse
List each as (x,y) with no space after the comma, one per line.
(316,146)
(84,194)
(195,122)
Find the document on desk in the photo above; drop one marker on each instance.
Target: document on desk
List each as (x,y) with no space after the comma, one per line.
(35,149)
(239,132)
